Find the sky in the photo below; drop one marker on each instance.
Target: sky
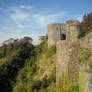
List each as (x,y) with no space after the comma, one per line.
(19,18)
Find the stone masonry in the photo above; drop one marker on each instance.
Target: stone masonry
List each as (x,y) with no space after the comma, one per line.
(67,53)
(65,36)
(63,31)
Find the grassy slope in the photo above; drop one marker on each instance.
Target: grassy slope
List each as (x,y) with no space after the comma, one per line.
(39,72)
(45,66)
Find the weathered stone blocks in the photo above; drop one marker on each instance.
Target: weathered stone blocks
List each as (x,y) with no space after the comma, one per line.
(67,53)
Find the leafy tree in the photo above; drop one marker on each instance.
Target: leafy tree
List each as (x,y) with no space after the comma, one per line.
(86,25)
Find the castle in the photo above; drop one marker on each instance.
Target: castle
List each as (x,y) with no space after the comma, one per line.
(64,31)
(61,31)
(65,36)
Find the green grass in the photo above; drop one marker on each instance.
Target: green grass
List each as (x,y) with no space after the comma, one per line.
(81,82)
(66,84)
(51,51)
(90,79)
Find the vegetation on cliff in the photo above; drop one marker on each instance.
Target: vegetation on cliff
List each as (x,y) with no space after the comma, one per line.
(83,55)
(27,68)
(39,71)
(12,59)
(86,25)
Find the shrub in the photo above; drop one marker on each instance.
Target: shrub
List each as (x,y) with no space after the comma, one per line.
(53,76)
(20,88)
(84,55)
(86,25)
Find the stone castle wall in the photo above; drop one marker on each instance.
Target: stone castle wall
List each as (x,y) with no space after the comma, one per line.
(55,31)
(86,41)
(74,31)
(68,50)
(67,53)
(63,31)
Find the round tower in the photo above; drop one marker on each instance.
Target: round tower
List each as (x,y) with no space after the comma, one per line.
(74,30)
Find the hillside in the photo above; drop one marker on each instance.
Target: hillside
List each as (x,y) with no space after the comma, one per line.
(25,68)
(39,72)
(12,59)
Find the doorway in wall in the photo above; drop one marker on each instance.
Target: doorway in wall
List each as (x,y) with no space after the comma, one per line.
(63,37)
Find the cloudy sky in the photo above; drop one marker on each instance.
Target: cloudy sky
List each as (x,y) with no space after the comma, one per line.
(19,18)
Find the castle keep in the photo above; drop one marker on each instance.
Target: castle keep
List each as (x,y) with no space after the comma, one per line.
(63,31)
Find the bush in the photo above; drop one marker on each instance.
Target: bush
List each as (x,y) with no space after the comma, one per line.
(84,55)
(53,76)
(13,57)
(86,25)
(20,88)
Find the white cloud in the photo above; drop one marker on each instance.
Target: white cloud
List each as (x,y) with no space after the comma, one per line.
(4,36)
(26,7)
(18,31)
(22,18)
(19,17)
(18,36)
(43,20)
(12,29)
(9,28)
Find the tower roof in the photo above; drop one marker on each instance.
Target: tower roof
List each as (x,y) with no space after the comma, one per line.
(75,23)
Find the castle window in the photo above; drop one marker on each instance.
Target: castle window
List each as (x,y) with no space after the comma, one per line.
(78,27)
(63,37)
(57,28)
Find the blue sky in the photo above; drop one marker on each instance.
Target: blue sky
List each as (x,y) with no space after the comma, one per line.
(19,18)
